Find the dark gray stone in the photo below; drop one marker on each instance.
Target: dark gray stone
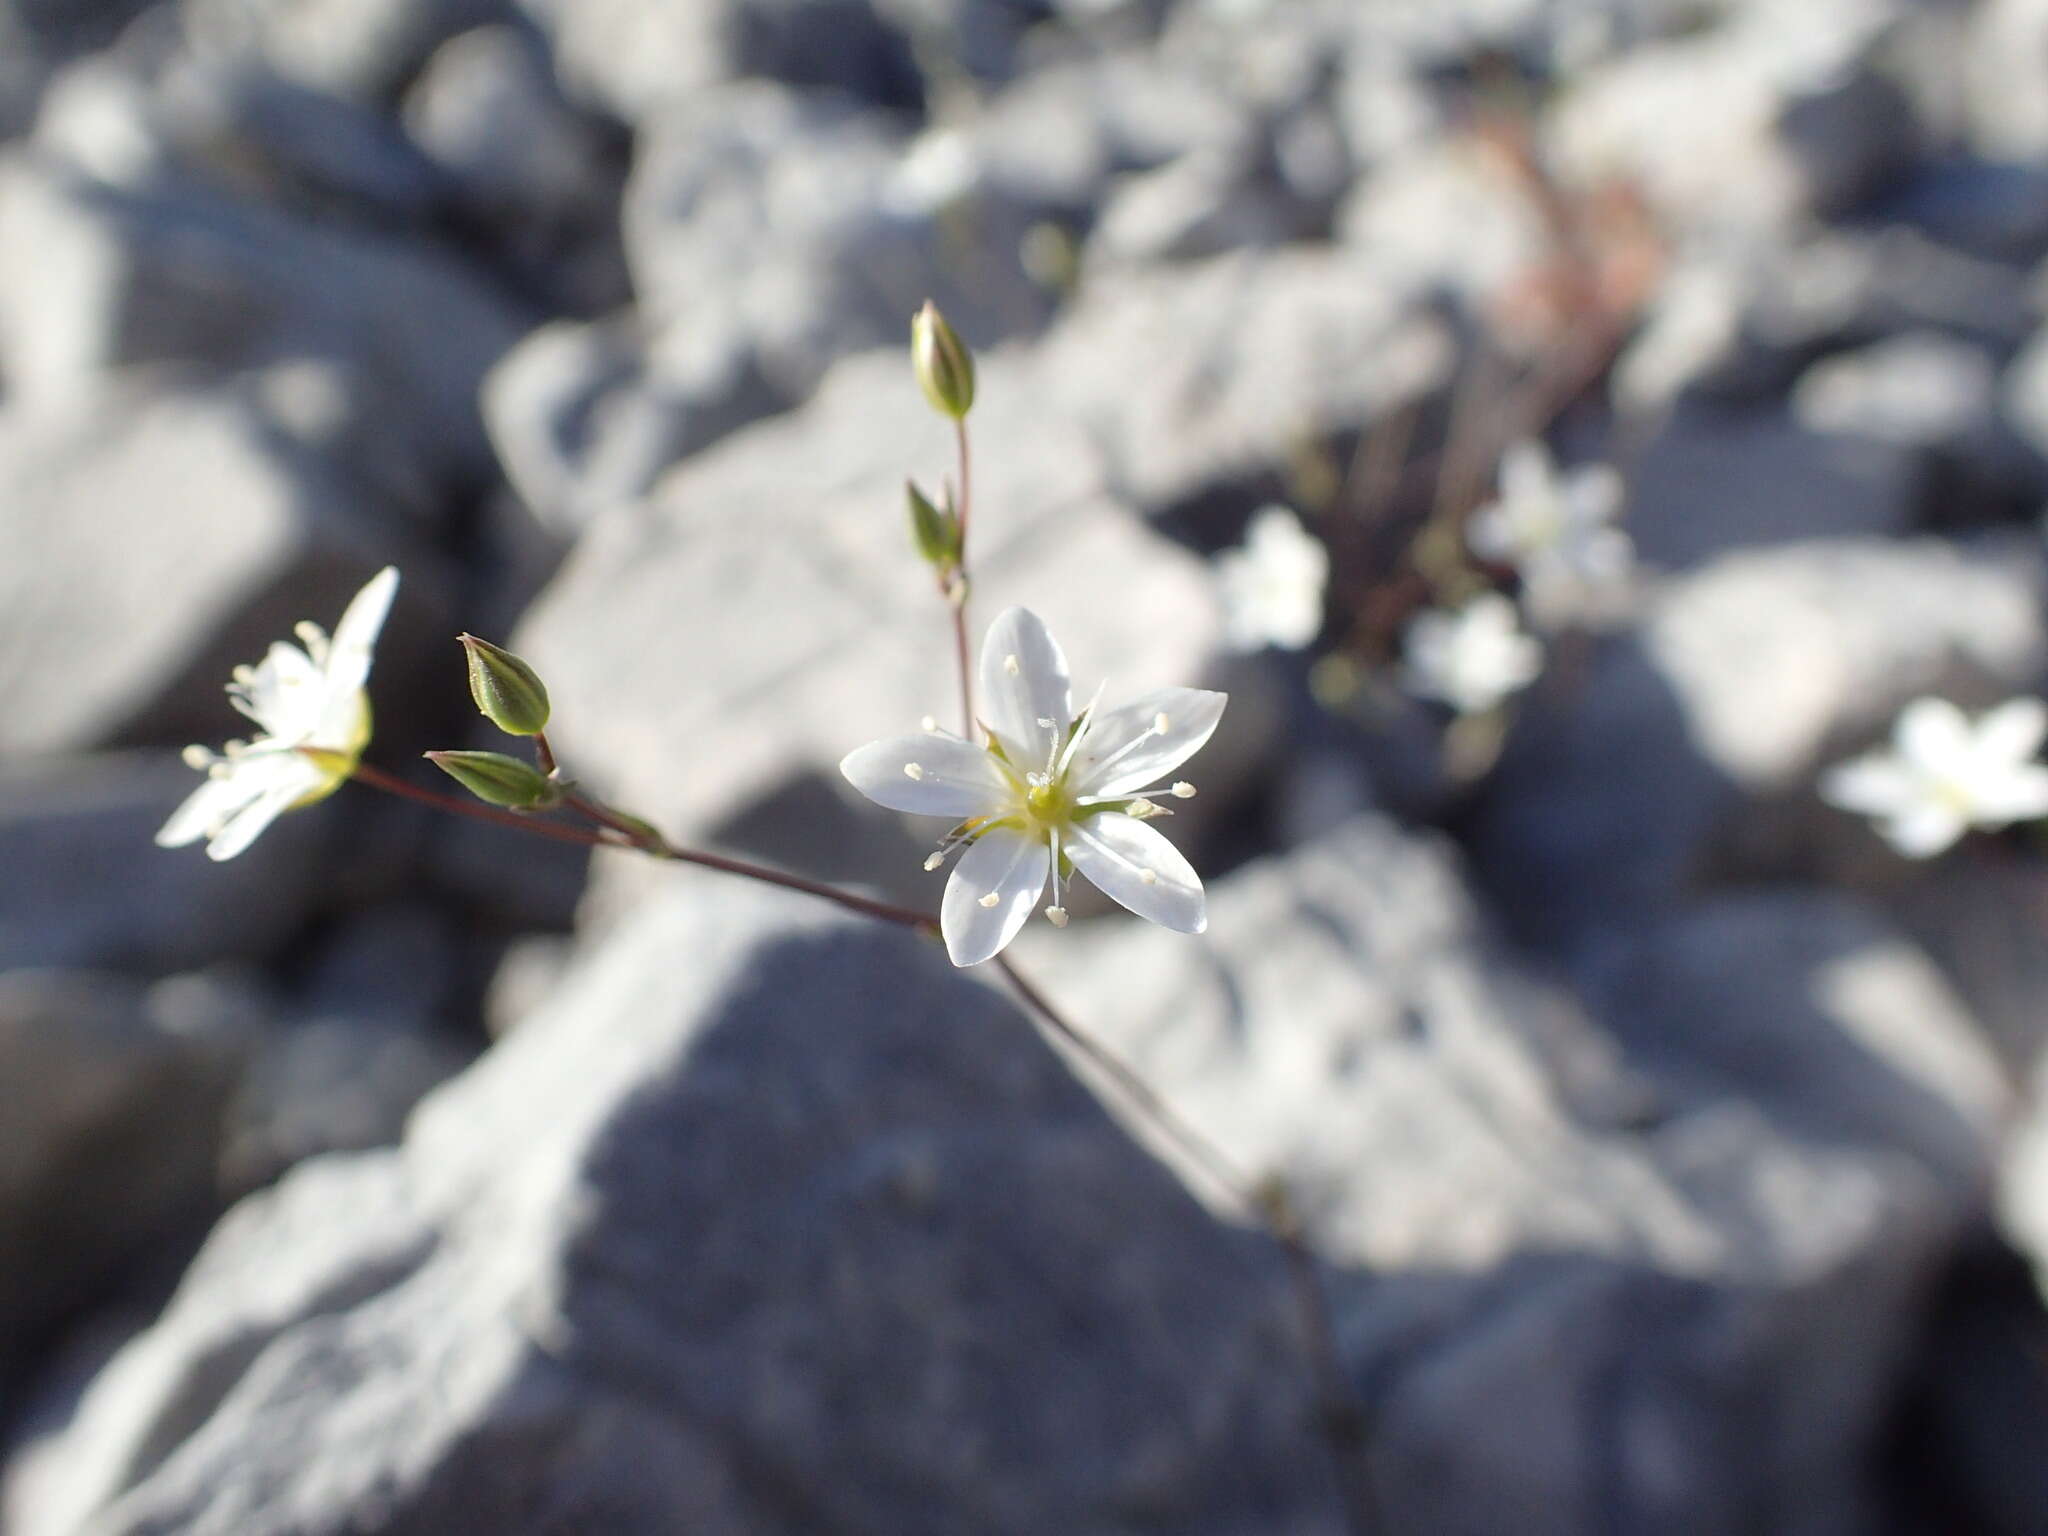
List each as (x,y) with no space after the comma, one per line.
(111,1096)
(766,1220)
(1687,749)
(87,888)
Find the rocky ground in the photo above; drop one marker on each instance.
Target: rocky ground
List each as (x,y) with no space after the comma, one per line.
(1675,1154)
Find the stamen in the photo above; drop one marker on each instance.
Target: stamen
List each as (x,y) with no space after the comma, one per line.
(1183,790)
(1149,876)
(990,899)
(1045,722)
(913,771)
(1160,723)
(244,674)
(928,724)
(933,861)
(197,756)
(1142,809)
(1057,916)
(1012,666)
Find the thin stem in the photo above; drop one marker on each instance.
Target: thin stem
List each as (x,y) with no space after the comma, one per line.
(518,821)
(626,834)
(957,596)
(1342,1415)
(543,753)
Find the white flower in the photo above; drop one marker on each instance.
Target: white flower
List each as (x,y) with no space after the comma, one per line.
(314,721)
(1944,775)
(1047,792)
(1273,584)
(1471,659)
(1555,530)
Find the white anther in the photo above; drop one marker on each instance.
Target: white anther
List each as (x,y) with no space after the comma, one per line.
(928,724)
(990,899)
(244,674)
(1149,876)
(197,756)
(1142,809)
(1183,790)
(934,861)
(913,771)
(1045,722)
(1160,723)
(1012,666)
(1057,916)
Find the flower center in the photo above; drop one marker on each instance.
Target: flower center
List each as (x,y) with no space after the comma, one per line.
(1047,801)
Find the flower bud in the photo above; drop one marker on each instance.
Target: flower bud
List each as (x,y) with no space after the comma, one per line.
(507,691)
(935,531)
(944,366)
(497,779)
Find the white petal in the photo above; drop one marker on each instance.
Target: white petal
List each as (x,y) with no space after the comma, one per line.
(1876,785)
(1489,535)
(1592,496)
(1526,472)
(1146,753)
(952,778)
(355,637)
(2013,732)
(1932,733)
(247,824)
(1118,852)
(1023,681)
(207,807)
(1006,864)
(1924,831)
(287,694)
(2015,794)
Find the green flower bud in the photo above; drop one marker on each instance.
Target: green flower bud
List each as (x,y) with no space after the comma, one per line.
(509,693)
(934,530)
(497,779)
(944,366)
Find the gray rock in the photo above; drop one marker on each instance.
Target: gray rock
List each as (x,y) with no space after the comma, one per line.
(111,1096)
(1607,1260)
(1204,383)
(2004,74)
(176,275)
(163,539)
(1739,318)
(1716,480)
(582,425)
(635,58)
(1782,118)
(1687,750)
(673,1233)
(539,178)
(763,614)
(366,49)
(87,888)
(801,225)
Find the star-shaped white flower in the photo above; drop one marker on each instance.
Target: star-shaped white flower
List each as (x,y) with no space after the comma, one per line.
(313,720)
(1556,530)
(1047,792)
(1272,584)
(1944,774)
(1471,659)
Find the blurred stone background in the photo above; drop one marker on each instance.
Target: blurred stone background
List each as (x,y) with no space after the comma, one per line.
(1675,1154)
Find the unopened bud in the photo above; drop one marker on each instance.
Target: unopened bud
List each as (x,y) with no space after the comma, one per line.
(944,366)
(507,691)
(935,530)
(497,779)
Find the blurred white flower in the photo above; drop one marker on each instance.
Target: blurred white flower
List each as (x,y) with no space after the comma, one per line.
(1046,791)
(1944,774)
(313,720)
(1471,659)
(1555,530)
(1272,584)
